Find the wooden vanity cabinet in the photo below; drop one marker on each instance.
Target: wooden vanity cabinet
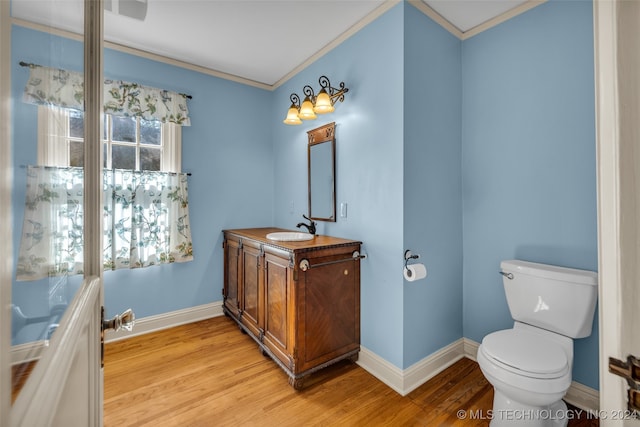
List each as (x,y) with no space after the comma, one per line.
(300,301)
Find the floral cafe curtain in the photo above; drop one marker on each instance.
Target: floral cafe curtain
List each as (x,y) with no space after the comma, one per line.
(65,89)
(146,221)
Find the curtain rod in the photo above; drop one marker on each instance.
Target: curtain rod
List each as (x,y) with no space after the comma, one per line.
(30,65)
(77,167)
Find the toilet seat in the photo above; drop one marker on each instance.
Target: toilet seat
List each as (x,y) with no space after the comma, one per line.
(525,353)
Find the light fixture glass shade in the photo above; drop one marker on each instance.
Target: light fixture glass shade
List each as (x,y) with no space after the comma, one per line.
(323,103)
(292,116)
(306,110)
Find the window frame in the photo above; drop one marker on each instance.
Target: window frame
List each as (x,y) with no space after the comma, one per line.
(54,141)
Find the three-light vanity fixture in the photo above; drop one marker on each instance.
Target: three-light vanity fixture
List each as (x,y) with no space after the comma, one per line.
(312,104)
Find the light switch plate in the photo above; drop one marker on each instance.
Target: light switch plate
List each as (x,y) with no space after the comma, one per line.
(343,210)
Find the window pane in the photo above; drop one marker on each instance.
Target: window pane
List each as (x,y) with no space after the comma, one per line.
(123,157)
(149,159)
(150,132)
(76,124)
(105,126)
(76,153)
(123,129)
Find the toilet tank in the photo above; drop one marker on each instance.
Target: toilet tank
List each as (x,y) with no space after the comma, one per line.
(558,299)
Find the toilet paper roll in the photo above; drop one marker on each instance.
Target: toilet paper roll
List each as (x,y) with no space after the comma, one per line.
(415,272)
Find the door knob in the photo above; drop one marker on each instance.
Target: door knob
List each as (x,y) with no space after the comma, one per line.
(125,321)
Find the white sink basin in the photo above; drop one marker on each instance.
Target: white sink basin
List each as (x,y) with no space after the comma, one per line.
(290,236)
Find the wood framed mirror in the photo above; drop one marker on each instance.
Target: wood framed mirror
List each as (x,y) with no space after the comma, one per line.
(321,161)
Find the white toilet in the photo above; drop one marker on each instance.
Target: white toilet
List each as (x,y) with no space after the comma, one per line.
(529,366)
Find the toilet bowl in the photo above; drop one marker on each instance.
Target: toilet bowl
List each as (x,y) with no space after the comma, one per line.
(529,366)
(530,374)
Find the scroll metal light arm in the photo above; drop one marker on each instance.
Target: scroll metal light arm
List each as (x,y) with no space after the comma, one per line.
(335,94)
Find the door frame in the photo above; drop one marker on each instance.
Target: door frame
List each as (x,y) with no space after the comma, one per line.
(617,131)
(6,185)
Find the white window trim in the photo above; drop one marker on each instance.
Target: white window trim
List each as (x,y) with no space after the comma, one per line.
(53,145)
(171,160)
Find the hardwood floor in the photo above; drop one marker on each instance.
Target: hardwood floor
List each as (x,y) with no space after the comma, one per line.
(19,375)
(210,374)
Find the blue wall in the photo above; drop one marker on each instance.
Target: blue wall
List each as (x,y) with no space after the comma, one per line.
(467,153)
(528,159)
(231,185)
(432,185)
(369,156)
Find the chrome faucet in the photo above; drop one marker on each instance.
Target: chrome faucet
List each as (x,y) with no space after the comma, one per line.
(311,226)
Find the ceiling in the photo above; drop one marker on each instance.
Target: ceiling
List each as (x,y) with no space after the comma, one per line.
(258,41)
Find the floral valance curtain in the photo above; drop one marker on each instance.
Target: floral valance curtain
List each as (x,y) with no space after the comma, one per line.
(146,221)
(65,89)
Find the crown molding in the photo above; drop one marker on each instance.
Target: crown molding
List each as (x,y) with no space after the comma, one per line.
(439,19)
(427,10)
(372,16)
(142,53)
(379,11)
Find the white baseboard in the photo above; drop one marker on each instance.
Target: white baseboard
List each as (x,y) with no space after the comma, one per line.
(407,380)
(162,321)
(385,371)
(422,371)
(579,395)
(28,352)
(471,349)
(583,397)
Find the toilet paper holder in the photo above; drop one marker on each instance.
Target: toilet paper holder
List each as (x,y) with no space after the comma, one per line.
(408,255)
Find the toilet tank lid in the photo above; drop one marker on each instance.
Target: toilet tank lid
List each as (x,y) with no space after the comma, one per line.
(547,271)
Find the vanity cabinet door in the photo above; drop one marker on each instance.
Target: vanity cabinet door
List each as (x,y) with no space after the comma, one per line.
(279,322)
(328,311)
(232,276)
(252,295)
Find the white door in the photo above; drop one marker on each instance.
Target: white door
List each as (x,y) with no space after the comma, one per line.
(65,387)
(617,46)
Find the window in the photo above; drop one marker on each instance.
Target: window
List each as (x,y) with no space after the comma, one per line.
(146,217)
(129,142)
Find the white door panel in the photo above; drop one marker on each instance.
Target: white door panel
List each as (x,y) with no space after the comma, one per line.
(60,388)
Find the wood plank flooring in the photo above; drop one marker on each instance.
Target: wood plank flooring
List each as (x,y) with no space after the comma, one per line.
(210,374)
(19,375)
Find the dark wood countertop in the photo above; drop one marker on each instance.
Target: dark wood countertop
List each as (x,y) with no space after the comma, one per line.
(260,234)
